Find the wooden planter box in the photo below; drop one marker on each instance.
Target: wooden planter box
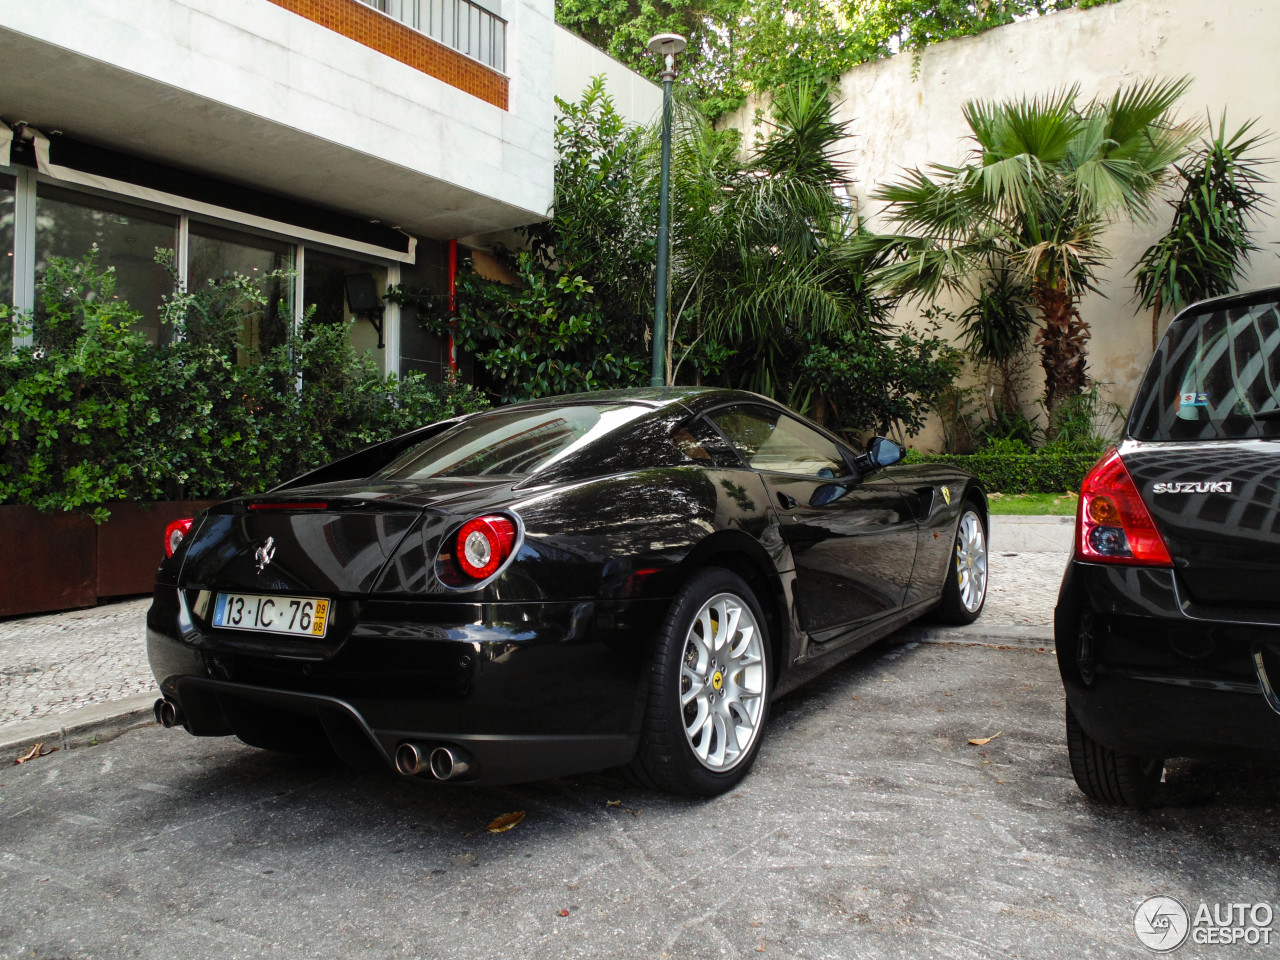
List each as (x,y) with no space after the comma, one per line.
(60,561)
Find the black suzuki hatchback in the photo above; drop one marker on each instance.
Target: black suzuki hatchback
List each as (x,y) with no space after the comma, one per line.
(1168,619)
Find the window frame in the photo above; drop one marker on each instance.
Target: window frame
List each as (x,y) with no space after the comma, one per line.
(27,183)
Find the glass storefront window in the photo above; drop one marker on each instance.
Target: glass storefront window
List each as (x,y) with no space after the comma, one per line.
(327,279)
(68,224)
(6,239)
(215,254)
(420,350)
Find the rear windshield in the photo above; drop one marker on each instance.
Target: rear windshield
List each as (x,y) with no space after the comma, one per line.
(514,442)
(1215,376)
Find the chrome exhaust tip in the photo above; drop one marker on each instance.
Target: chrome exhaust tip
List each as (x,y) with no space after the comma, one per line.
(412,759)
(449,762)
(415,759)
(167,713)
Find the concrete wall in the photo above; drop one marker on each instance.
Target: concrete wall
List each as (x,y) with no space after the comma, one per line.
(638,99)
(907,115)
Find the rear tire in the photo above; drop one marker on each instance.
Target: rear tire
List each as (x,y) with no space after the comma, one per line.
(709,687)
(964,592)
(1108,776)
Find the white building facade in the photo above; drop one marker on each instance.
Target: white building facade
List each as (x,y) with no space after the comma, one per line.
(350,143)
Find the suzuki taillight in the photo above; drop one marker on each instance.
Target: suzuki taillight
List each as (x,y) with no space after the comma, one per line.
(483,545)
(1113,525)
(173,535)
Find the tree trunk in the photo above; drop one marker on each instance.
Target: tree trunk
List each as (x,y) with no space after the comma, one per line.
(1061,339)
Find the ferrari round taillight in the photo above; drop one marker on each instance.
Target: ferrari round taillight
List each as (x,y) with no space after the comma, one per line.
(173,535)
(483,545)
(1113,525)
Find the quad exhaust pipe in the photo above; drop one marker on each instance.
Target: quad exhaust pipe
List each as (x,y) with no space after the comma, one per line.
(167,713)
(440,762)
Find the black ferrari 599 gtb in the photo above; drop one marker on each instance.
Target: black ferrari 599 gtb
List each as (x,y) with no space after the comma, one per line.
(624,578)
(1168,620)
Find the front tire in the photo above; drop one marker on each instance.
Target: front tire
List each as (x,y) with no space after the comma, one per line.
(965,590)
(1108,776)
(709,688)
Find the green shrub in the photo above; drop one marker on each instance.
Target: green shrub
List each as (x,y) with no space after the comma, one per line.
(1048,471)
(90,413)
(876,381)
(75,404)
(548,335)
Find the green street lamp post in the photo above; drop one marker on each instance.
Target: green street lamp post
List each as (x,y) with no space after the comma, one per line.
(665,45)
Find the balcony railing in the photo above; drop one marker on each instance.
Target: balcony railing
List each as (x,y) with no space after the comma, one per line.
(465,26)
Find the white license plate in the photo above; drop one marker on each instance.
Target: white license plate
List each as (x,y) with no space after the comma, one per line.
(299,616)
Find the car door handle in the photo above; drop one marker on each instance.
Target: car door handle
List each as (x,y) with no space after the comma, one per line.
(787,501)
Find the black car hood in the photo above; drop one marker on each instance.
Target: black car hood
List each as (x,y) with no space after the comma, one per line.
(327,539)
(1217,506)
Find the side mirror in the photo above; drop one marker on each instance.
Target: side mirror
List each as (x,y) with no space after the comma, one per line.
(827,493)
(883,452)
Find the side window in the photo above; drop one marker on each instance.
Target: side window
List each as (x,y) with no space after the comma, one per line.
(700,442)
(771,440)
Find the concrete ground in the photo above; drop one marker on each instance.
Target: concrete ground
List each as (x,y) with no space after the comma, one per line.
(869,827)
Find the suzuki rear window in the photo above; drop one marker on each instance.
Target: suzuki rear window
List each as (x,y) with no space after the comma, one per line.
(513,442)
(1215,376)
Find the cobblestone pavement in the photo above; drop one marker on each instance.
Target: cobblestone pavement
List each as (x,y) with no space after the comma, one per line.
(55,663)
(1022,589)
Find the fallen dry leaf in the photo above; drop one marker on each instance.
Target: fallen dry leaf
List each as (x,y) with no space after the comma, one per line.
(37,751)
(983,741)
(505,822)
(618,804)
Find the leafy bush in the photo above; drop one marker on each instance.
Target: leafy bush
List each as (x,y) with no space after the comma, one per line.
(549,335)
(1005,426)
(879,382)
(90,413)
(1048,471)
(1086,423)
(76,404)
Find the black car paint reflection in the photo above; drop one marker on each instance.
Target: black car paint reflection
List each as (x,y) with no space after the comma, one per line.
(541,669)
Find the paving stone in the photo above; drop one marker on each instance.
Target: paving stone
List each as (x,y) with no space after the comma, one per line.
(58,662)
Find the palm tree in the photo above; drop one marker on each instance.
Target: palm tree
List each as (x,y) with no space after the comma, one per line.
(761,247)
(1045,178)
(1208,243)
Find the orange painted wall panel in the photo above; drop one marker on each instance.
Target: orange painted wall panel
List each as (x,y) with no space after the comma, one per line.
(363,24)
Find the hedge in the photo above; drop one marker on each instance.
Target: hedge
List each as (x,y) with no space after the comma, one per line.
(90,413)
(1050,471)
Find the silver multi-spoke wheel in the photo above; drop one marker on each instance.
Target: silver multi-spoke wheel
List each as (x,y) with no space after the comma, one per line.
(971,562)
(722,682)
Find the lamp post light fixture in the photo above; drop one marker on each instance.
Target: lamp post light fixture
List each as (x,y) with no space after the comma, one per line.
(665,45)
